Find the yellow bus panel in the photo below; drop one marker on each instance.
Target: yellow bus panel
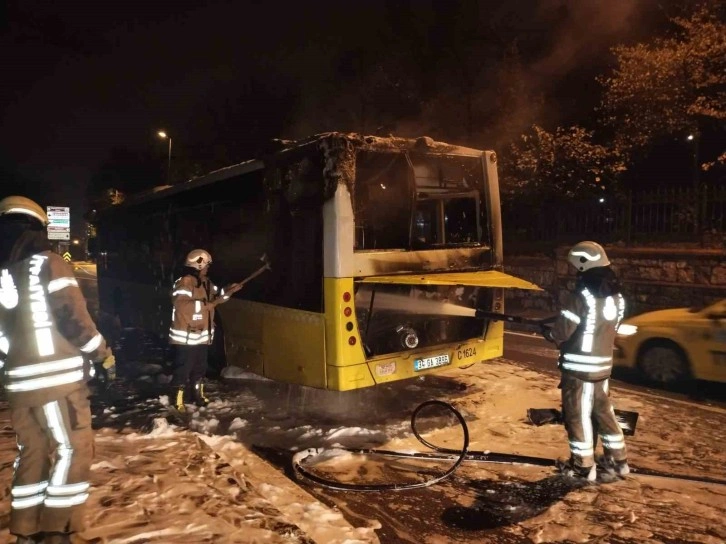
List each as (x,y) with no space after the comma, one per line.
(340,329)
(279,343)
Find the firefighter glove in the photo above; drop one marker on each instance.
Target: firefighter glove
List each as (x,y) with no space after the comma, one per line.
(547,333)
(109,365)
(231,289)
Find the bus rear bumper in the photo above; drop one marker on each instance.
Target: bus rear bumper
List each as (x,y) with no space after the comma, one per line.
(405,365)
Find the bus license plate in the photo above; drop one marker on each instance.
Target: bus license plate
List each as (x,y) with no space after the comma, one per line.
(430,362)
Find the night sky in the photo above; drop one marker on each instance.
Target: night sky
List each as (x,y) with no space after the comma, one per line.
(83,78)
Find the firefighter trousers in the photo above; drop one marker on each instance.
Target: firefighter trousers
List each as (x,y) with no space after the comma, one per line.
(50,482)
(587,413)
(190,366)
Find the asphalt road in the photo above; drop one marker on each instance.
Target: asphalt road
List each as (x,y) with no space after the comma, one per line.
(433,514)
(84,271)
(534,352)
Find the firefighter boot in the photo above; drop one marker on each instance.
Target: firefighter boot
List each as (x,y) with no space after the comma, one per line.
(574,470)
(616,468)
(179,404)
(199,397)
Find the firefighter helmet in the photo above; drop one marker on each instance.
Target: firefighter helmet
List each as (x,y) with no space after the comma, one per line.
(22,205)
(587,255)
(199,259)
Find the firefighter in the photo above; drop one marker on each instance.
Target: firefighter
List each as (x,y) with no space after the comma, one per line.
(48,341)
(194,298)
(584,332)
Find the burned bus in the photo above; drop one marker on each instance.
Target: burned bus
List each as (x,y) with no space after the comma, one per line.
(381,251)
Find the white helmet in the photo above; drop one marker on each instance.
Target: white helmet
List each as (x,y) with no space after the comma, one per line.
(587,255)
(23,205)
(199,259)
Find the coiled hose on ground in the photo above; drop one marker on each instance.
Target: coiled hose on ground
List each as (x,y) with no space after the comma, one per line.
(445,454)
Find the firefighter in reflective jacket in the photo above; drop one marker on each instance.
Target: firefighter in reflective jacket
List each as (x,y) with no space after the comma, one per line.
(194,298)
(47,339)
(584,333)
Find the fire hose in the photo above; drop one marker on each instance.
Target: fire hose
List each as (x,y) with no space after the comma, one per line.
(303,457)
(300,457)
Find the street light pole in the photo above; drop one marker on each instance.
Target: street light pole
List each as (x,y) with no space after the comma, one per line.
(163,134)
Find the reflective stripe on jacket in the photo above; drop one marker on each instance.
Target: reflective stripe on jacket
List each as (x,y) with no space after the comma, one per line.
(585,332)
(45,325)
(192,317)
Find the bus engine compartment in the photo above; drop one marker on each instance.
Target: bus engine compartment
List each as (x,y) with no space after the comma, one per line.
(395,318)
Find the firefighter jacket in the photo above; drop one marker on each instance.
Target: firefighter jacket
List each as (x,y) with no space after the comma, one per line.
(46,332)
(585,329)
(192,316)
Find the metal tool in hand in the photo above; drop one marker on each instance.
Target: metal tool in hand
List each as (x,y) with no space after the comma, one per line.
(237,286)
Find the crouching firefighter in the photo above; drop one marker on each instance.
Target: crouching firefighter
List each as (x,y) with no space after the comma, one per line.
(48,340)
(584,332)
(194,298)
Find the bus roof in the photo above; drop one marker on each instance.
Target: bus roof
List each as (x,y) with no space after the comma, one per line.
(212,177)
(283,148)
(380,143)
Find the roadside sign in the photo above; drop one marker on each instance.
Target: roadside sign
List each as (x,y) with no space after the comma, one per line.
(59,222)
(67,257)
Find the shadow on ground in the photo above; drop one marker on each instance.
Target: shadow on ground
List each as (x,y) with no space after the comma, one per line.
(435,512)
(508,502)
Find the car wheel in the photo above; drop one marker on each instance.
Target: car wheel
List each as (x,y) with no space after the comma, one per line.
(664,364)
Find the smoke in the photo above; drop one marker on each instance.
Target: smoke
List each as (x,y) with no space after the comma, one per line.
(488,81)
(584,30)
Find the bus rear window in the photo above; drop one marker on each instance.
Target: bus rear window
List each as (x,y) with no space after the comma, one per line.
(446,221)
(383,200)
(416,201)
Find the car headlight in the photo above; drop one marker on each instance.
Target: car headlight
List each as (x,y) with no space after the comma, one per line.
(627,330)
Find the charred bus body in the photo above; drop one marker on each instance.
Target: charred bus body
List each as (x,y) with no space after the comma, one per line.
(381,250)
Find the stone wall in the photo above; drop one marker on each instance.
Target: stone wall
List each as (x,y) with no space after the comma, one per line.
(652,278)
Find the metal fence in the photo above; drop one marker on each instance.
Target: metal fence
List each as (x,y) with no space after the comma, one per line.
(674,214)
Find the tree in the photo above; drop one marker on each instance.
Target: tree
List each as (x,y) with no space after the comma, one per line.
(671,87)
(561,164)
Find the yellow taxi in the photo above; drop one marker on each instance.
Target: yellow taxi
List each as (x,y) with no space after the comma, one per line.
(670,346)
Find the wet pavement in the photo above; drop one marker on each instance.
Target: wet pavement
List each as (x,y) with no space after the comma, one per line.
(479,503)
